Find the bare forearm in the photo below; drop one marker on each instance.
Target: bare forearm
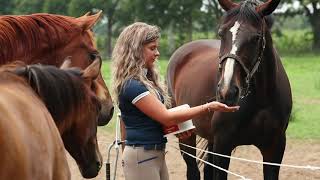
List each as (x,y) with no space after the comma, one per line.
(176,117)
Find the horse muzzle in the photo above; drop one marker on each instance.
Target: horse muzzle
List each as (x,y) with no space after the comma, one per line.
(229,96)
(105,115)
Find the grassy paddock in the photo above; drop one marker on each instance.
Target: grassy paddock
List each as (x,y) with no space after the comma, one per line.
(304,76)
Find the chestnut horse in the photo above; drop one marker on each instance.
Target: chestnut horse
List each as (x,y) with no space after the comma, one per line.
(48,39)
(243,68)
(32,99)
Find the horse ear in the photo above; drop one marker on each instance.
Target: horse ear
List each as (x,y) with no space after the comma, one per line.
(227,4)
(88,21)
(66,63)
(268,7)
(93,70)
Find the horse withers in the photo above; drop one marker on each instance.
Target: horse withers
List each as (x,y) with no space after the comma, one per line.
(48,39)
(243,68)
(32,99)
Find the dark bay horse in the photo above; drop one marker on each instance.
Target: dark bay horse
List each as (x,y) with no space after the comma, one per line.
(243,68)
(48,39)
(33,99)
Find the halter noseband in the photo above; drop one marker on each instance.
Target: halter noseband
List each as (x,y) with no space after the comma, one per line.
(262,41)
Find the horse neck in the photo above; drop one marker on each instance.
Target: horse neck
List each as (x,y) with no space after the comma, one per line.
(265,80)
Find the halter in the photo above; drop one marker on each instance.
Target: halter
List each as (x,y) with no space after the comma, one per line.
(262,41)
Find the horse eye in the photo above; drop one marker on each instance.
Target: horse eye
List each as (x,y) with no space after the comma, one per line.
(92,56)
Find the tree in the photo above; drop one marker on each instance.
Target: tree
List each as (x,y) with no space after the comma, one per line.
(184,13)
(56,6)
(109,8)
(7,7)
(310,8)
(78,8)
(28,6)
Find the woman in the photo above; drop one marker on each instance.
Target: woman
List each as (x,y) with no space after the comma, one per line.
(142,100)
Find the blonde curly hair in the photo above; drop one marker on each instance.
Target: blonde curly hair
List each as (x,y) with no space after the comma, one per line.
(128,60)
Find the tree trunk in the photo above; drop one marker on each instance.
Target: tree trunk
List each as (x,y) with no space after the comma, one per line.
(315,23)
(314,17)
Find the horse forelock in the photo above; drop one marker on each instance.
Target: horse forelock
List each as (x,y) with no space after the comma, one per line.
(26,32)
(61,90)
(246,12)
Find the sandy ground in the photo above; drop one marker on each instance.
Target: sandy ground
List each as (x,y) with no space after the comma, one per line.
(298,152)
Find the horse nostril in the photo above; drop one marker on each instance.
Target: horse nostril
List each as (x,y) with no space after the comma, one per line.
(236,91)
(99,164)
(233,93)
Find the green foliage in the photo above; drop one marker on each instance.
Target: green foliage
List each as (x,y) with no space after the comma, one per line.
(27,6)
(6,7)
(293,41)
(56,6)
(79,7)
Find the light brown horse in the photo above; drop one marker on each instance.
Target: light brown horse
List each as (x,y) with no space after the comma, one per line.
(244,69)
(32,100)
(48,39)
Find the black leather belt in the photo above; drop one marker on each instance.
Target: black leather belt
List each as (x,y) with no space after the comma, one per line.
(158,147)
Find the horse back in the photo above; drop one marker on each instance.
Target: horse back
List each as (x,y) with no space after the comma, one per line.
(191,77)
(31,147)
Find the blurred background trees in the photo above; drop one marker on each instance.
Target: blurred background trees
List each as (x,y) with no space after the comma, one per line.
(296,29)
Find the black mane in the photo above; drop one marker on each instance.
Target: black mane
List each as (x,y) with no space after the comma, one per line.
(60,90)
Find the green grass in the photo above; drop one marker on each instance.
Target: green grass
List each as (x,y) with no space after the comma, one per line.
(304,76)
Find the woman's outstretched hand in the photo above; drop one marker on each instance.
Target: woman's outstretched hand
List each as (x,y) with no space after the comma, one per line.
(218,106)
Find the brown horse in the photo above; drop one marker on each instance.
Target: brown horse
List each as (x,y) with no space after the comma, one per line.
(245,69)
(32,99)
(48,39)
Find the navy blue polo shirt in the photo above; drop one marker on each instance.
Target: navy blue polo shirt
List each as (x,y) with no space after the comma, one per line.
(140,129)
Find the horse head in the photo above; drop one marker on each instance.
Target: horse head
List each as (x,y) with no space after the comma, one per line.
(67,94)
(82,52)
(244,35)
(48,39)
(81,139)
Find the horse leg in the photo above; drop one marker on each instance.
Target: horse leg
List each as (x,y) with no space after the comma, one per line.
(221,161)
(193,172)
(208,170)
(273,154)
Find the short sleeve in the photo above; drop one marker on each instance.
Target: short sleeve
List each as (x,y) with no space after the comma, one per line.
(134,90)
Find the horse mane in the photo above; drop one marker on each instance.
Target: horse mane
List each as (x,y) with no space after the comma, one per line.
(247,12)
(60,90)
(25,32)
